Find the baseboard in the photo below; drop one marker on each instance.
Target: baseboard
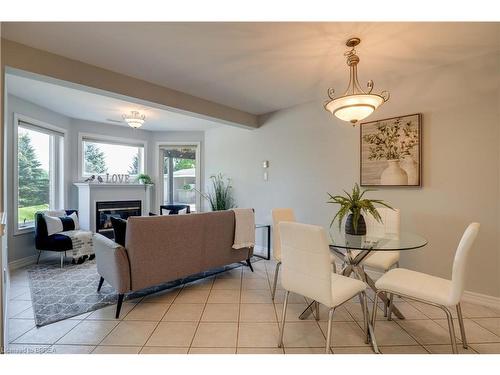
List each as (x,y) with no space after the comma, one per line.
(481,299)
(468,296)
(23,262)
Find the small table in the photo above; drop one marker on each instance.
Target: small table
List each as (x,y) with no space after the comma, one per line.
(268,226)
(342,245)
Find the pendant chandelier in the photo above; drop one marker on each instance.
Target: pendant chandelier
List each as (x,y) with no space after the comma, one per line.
(135,119)
(355,104)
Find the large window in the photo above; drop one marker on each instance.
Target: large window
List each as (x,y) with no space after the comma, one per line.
(38,184)
(103,156)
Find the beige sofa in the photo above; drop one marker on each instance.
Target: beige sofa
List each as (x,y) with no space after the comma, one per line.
(159,249)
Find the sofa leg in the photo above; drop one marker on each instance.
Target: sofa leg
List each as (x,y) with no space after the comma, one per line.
(100,284)
(249,264)
(119,305)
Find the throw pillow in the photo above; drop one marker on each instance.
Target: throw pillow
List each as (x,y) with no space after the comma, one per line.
(165,212)
(54,224)
(182,212)
(120,229)
(76,222)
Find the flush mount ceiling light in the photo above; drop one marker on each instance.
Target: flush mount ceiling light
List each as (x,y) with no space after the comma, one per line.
(135,119)
(355,104)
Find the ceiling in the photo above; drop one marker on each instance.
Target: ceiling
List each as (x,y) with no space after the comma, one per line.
(90,106)
(259,67)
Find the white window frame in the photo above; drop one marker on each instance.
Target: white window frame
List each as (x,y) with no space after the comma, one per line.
(110,140)
(159,170)
(58,193)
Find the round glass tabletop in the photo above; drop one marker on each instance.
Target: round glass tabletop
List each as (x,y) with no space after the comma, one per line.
(376,241)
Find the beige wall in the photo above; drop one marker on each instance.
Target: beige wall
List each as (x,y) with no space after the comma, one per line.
(311,153)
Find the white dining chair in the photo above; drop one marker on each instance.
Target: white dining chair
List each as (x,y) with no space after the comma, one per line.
(279,215)
(382,261)
(433,290)
(306,270)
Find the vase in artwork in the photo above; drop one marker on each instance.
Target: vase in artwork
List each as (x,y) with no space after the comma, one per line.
(394,174)
(360,228)
(411,168)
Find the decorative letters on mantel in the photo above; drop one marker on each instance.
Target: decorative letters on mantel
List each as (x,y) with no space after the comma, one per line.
(117,178)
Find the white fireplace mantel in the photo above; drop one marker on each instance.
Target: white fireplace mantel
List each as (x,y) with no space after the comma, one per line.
(91,193)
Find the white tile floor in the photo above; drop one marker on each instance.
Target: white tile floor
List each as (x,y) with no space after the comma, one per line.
(233,313)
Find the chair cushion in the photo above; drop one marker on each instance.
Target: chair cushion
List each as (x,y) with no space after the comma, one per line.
(344,288)
(119,228)
(416,284)
(381,260)
(54,242)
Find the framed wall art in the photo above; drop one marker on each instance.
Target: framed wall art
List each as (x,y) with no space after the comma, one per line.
(391,151)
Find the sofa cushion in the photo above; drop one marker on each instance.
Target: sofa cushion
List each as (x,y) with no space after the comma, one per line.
(119,228)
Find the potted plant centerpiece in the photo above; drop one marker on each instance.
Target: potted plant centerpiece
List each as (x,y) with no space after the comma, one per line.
(221,197)
(354,205)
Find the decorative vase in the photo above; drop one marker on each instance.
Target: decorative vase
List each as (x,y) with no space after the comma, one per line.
(394,174)
(411,168)
(361,228)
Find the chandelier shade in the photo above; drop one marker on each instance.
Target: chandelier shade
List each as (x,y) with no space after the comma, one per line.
(135,119)
(356,104)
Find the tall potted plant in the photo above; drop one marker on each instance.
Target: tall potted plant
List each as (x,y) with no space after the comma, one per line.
(354,205)
(221,197)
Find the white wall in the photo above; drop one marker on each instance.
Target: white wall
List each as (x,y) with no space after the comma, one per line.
(22,245)
(311,153)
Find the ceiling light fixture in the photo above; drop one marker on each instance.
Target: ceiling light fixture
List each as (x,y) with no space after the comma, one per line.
(135,119)
(355,104)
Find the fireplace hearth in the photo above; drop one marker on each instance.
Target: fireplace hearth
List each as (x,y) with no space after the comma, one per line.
(118,209)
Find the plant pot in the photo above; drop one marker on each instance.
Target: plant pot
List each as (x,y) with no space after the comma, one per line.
(361,228)
(394,174)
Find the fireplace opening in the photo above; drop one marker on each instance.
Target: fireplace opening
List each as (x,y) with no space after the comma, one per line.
(117,209)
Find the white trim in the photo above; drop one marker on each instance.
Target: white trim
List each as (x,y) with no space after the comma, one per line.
(158,172)
(112,140)
(18,117)
(23,262)
(481,299)
(468,296)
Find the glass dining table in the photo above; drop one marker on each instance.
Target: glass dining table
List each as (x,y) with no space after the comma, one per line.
(352,250)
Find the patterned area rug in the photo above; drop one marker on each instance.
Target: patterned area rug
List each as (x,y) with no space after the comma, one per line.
(61,293)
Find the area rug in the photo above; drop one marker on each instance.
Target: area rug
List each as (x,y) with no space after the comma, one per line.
(61,293)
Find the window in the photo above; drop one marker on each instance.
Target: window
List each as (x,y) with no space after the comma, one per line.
(102,156)
(38,184)
(180,175)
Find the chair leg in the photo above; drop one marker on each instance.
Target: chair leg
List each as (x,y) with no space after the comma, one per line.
(100,284)
(62,259)
(374,313)
(389,314)
(119,305)
(329,331)
(462,327)
(283,318)
(316,307)
(366,313)
(451,327)
(38,257)
(249,264)
(385,309)
(276,271)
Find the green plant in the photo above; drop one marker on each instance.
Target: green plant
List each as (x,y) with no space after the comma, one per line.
(221,197)
(187,187)
(392,141)
(354,204)
(144,178)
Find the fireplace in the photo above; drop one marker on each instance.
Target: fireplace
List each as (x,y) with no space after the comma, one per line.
(118,209)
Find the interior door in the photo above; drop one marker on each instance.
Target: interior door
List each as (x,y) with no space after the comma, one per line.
(180,175)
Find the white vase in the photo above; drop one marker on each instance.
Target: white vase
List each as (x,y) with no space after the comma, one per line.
(394,174)
(411,168)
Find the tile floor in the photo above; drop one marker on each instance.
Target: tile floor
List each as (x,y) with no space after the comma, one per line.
(233,313)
